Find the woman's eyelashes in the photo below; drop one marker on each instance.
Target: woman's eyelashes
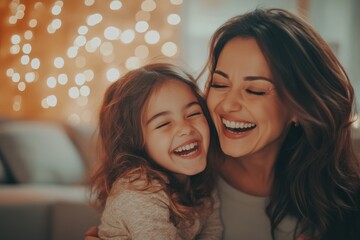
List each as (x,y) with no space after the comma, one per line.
(255,92)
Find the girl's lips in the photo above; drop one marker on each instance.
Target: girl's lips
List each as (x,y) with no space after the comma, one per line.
(189,149)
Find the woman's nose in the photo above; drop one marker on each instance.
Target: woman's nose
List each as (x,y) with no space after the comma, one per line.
(232,102)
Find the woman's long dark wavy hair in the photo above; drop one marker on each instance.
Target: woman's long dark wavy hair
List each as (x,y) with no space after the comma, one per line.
(122,146)
(316,172)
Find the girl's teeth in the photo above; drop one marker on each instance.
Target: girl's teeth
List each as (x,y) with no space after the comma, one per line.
(186,147)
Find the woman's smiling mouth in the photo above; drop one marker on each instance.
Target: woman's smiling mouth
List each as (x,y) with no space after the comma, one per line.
(237,127)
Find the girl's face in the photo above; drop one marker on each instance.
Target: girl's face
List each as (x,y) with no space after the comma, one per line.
(175,130)
(248,115)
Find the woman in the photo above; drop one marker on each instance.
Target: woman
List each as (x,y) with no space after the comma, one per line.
(282,106)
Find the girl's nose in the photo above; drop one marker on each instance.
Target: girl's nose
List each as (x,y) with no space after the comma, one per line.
(184,128)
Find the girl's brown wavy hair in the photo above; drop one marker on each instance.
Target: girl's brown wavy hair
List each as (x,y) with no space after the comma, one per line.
(122,147)
(316,173)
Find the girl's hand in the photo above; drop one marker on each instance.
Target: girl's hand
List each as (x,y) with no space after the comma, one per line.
(92,234)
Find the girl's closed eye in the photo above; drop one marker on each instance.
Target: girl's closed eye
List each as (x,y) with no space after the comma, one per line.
(193,114)
(162,125)
(218,85)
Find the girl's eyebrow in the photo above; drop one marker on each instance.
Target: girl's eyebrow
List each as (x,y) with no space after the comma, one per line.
(247,78)
(168,112)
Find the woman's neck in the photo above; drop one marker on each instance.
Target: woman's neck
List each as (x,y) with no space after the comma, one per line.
(253,175)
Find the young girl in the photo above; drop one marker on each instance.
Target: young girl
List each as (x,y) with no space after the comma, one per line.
(153,181)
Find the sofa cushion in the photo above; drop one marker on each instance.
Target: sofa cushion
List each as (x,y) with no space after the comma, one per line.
(40,152)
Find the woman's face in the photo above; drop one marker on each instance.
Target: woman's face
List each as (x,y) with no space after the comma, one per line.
(175,129)
(248,115)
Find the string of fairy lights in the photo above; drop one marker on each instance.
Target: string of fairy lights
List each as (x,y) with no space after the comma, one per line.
(68,48)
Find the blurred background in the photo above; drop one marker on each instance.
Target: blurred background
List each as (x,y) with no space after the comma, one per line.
(57,57)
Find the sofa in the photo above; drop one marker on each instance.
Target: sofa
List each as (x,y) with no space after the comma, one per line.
(43,189)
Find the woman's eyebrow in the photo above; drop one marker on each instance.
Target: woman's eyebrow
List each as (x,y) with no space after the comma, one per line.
(247,78)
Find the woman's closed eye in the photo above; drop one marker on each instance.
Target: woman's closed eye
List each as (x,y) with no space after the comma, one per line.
(255,92)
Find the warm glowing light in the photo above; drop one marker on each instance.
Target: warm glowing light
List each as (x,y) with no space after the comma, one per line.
(20,15)
(28,34)
(51,82)
(30,77)
(173,19)
(15,39)
(59,62)
(89,2)
(108,59)
(80,79)
(115,5)
(32,23)
(141,26)
(12,20)
(38,5)
(35,63)
(51,100)
(74,119)
(15,77)
(44,103)
(82,101)
(74,92)
(132,63)
(152,37)
(113,74)
(356,121)
(26,48)
(142,16)
(17,103)
(24,59)
(127,36)
(93,44)
(106,49)
(62,79)
(72,52)
(84,91)
(9,72)
(82,30)
(56,10)
(176,2)
(94,19)
(50,29)
(111,33)
(142,51)
(148,5)
(21,86)
(15,49)
(89,75)
(169,49)
(80,41)
(80,62)
(56,24)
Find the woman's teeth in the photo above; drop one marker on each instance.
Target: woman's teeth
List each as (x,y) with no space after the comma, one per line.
(186,150)
(238,126)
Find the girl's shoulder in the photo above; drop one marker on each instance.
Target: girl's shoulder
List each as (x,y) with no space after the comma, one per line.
(136,186)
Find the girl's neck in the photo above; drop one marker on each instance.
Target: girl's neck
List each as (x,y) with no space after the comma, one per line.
(251,175)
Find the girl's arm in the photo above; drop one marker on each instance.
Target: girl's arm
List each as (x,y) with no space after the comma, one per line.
(213,227)
(137,215)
